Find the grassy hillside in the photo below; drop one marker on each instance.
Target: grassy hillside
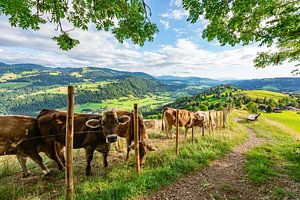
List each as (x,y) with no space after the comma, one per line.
(290,119)
(219,97)
(264,94)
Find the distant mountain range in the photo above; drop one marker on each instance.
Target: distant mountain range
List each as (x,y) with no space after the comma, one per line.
(282,84)
(39,75)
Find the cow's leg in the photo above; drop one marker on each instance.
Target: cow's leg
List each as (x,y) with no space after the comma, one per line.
(89,152)
(128,142)
(25,171)
(186,130)
(105,163)
(60,152)
(170,131)
(52,151)
(38,159)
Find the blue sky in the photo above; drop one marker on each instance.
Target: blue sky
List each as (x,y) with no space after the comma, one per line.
(178,49)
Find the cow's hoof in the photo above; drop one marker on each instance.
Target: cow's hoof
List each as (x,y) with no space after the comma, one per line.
(25,175)
(88,174)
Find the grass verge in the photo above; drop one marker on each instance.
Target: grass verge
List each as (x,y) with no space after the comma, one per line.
(279,154)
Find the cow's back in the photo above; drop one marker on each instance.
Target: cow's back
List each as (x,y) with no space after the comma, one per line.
(17,126)
(53,122)
(18,133)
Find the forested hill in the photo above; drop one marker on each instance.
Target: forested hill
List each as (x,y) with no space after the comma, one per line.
(272,84)
(29,102)
(37,75)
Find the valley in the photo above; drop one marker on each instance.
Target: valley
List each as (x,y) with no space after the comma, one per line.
(28,88)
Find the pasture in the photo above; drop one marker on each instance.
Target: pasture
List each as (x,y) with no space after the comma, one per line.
(119,180)
(289,118)
(150,101)
(264,94)
(266,164)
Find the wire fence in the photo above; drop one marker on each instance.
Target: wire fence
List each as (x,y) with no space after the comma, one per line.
(157,137)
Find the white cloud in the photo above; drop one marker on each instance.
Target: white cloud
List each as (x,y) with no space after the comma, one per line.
(176,3)
(178,14)
(166,24)
(184,58)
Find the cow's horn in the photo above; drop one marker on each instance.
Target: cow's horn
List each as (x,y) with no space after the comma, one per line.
(124,116)
(91,126)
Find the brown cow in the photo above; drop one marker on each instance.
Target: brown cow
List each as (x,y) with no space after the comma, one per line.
(186,119)
(20,135)
(41,148)
(126,131)
(91,132)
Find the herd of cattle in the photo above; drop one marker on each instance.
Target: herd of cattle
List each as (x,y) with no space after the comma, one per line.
(26,136)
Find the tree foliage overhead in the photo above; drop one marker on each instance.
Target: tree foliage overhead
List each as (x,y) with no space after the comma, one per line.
(126,19)
(269,22)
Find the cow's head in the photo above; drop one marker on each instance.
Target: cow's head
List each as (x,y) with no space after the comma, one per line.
(109,123)
(200,118)
(144,147)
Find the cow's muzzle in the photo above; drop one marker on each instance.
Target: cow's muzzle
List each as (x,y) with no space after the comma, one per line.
(111,138)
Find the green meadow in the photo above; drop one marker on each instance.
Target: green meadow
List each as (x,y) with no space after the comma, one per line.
(126,103)
(288,118)
(264,94)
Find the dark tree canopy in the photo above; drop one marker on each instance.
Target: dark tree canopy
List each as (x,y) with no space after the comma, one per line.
(126,19)
(268,22)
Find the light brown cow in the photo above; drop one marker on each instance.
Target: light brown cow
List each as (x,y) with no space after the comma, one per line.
(201,120)
(126,131)
(204,115)
(152,124)
(186,120)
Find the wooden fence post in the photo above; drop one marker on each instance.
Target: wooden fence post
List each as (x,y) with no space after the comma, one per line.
(209,122)
(177,131)
(221,119)
(224,118)
(69,145)
(136,139)
(217,121)
(193,133)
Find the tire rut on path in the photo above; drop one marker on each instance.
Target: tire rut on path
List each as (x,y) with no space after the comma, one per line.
(222,179)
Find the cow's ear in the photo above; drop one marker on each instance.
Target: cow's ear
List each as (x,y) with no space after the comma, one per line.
(93,123)
(123,120)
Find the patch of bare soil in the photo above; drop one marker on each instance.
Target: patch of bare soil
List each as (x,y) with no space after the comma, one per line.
(226,179)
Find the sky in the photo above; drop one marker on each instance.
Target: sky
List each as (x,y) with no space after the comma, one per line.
(178,49)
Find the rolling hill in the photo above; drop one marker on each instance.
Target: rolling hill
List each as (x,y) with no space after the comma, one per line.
(28,88)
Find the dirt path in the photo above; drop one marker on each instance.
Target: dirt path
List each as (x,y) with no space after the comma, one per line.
(223,179)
